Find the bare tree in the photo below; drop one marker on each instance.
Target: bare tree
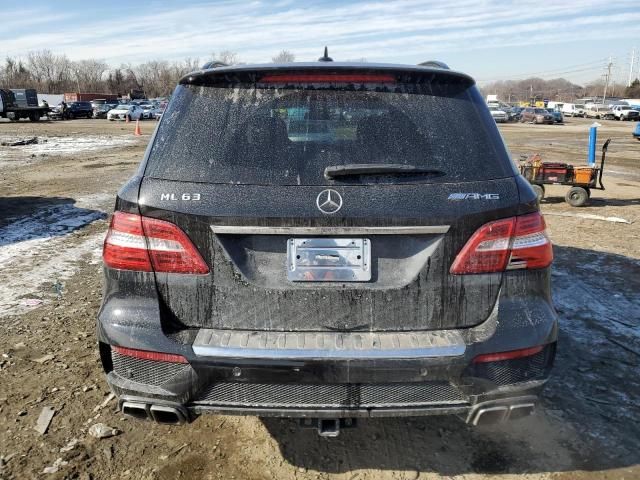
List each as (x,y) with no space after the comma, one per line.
(159,77)
(188,65)
(51,72)
(122,80)
(15,74)
(89,74)
(153,75)
(226,56)
(285,56)
(558,89)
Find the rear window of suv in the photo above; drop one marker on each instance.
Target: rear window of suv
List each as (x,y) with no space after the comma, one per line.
(252,133)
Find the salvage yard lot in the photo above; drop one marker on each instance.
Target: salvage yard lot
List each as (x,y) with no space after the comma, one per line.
(55,197)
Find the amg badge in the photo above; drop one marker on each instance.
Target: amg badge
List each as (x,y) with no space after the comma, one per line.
(474,196)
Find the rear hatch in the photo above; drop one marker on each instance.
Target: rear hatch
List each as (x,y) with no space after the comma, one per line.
(327,198)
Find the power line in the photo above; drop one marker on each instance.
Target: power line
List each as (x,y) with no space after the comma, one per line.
(557,71)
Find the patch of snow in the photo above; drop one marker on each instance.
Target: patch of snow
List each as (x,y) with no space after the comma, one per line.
(43,262)
(44,249)
(47,146)
(48,222)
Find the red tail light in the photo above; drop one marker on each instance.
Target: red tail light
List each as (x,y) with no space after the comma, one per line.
(510,355)
(145,244)
(512,243)
(329,78)
(148,355)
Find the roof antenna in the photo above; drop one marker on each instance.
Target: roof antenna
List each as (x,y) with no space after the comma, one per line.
(326,57)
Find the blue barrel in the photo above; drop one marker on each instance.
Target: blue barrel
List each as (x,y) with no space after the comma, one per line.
(593,136)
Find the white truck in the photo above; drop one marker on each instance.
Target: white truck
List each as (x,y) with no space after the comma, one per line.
(625,112)
(573,110)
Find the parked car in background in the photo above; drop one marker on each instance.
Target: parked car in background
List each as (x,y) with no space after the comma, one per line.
(557,115)
(498,114)
(516,113)
(599,111)
(101,110)
(80,110)
(159,111)
(73,110)
(149,111)
(536,115)
(636,131)
(573,109)
(124,112)
(625,112)
(101,101)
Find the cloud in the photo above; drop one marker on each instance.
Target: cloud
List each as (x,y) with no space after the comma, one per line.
(376,30)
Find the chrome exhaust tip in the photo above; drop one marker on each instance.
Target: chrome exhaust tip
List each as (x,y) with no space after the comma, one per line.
(167,415)
(521,411)
(490,415)
(136,410)
(492,412)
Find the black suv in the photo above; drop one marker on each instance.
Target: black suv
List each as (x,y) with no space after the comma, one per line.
(80,109)
(74,110)
(329,241)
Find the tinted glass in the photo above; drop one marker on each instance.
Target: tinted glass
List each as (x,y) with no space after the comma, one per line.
(251,135)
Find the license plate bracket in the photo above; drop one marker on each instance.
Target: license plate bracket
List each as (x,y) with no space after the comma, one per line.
(325,259)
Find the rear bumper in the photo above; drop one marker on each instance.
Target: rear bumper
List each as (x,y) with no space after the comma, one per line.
(336,389)
(411,375)
(513,404)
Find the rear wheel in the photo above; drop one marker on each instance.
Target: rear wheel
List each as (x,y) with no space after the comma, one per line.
(539,189)
(34,117)
(577,196)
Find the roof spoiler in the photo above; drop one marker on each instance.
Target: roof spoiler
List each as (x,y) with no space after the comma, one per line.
(435,64)
(436,72)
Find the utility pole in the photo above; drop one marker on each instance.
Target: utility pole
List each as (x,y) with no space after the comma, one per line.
(606,81)
(633,59)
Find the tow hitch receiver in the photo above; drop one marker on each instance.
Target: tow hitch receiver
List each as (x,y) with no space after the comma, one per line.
(328,427)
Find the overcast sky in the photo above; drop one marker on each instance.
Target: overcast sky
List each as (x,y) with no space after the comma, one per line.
(488,39)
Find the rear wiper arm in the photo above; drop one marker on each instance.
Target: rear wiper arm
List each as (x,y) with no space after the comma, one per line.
(353,169)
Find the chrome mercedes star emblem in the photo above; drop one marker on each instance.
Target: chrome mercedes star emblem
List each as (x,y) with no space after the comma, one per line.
(329,201)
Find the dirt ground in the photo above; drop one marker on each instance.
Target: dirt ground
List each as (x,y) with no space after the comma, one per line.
(55,197)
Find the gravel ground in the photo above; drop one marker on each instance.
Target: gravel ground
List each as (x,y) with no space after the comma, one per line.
(53,212)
